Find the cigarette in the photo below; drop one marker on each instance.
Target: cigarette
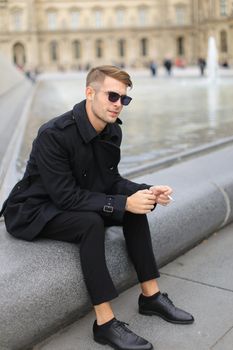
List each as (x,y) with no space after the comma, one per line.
(171,199)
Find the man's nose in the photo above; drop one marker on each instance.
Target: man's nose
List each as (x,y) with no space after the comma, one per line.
(118,103)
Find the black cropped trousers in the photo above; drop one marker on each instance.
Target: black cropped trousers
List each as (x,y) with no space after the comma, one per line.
(88,230)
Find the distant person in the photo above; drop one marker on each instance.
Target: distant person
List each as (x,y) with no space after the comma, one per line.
(180,62)
(168,65)
(225,64)
(202,65)
(72,190)
(153,68)
(30,75)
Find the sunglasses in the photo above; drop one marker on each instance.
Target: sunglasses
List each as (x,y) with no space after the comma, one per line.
(114,97)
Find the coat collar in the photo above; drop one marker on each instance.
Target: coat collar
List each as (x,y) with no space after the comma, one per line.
(86,129)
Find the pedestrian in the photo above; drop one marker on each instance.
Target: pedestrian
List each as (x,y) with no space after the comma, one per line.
(168,65)
(153,68)
(72,190)
(202,65)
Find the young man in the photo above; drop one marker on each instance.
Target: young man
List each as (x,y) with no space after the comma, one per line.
(72,190)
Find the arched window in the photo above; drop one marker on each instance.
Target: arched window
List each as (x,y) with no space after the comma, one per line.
(53,51)
(19,54)
(76,46)
(121,47)
(223,41)
(144,47)
(180,46)
(99,48)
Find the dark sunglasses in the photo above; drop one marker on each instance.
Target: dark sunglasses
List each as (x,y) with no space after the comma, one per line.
(114,97)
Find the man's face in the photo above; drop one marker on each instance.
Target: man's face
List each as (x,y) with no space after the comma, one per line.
(102,110)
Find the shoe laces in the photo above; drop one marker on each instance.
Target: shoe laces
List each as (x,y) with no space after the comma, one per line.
(120,325)
(166,298)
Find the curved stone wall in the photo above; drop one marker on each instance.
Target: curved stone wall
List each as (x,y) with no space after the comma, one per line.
(41,283)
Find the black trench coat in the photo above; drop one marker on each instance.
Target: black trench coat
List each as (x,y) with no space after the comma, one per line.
(71,168)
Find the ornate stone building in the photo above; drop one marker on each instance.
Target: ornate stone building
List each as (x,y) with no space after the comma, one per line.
(73,34)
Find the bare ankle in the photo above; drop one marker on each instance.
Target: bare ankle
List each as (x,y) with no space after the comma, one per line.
(149,288)
(104,313)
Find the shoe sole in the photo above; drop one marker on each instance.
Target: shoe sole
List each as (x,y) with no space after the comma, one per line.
(153,313)
(104,342)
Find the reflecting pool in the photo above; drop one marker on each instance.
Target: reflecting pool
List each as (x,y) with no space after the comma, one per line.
(167,115)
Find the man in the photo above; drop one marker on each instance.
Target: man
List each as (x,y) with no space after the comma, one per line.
(71,191)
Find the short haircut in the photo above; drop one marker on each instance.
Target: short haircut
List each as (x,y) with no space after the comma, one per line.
(98,74)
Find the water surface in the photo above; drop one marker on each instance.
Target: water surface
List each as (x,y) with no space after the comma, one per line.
(167,115)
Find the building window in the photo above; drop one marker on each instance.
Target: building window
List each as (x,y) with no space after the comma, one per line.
(180,15)
(17,20)
(19,56)
(99,48)
(75,18)
(120,17)
(144,47)
(180,46)
(142,14)
(121,47)
(76,49)
(98,19)
(223,7)
(53,51)
(52,20)
(223,41)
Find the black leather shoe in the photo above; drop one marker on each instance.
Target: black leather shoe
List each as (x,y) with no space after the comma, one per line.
(117,335)
(162,306)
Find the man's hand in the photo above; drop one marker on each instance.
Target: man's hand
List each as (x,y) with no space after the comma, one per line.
(161,193)
(141,202)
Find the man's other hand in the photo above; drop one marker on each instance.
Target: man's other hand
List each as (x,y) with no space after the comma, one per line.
(162,194)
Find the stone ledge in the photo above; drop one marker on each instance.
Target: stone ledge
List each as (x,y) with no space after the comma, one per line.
(41,283)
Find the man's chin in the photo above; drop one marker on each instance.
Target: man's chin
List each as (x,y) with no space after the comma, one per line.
(112,118)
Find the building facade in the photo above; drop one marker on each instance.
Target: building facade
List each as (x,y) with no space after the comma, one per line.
(73,34)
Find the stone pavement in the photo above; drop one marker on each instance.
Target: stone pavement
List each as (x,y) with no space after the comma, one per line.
(201,281)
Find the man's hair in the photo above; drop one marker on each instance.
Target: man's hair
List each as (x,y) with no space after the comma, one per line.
(98,74)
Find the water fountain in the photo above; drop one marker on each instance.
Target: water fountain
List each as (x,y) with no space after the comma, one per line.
(212,60)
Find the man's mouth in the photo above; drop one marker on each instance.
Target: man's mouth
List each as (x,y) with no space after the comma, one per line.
(114,112)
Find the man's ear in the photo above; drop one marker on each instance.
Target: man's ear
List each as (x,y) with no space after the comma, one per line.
(90,93)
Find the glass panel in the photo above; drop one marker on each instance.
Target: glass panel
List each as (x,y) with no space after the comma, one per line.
(142,16)
(120,17)
(75,17)
(17,19)
(52,20)
(180,15)
(223,7)
(98,18)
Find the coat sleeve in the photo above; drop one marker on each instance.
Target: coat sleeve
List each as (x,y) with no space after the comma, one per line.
(52,160)
(125,186)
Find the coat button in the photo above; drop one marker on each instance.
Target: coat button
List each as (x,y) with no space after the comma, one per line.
(111,168)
